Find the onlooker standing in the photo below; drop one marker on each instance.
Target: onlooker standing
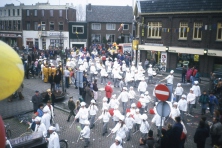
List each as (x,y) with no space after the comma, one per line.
(200,135)
(51,81)
(204,99)
(50,96)
(212,102)
(184,71)
(150,141)
(109,91)
(177,130)
(72,107)
(66,74)
(190,101)
(21,97)
(95,90)
(57,79)
(215,131)
(36,100)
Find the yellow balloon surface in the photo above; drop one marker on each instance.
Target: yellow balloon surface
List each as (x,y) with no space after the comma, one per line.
(11,71)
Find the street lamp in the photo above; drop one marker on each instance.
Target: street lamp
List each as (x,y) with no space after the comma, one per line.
(205,51)
(167,49)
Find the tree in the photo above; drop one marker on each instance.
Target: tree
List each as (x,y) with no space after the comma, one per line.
(80,13)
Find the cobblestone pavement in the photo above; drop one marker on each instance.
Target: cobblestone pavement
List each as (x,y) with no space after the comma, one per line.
(9,109)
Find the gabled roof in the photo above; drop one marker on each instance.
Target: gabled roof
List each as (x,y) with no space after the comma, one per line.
(117,14)
(158,6)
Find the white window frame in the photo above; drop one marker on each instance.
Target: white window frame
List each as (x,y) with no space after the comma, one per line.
(95,27)
(61,24)
(60,13)
(183,30)
(126,25)
(51,23)
(27,12)
(219,30)
(76,26)
(51,12)
(154,30)
(96,36)
(43,26)
(35,12)
(197,27)
(110,26)
(107,38)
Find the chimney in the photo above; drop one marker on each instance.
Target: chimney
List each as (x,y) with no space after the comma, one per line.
(89,7)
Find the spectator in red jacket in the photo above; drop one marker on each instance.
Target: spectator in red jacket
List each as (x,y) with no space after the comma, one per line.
(109,91)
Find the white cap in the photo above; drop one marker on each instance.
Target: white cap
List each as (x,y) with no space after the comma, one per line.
(144,116)
(123,61)
(175,103)
(142,95)
(142,79)
(93,101)
(156,103)
(133,105)
(121,117)
(52,128)
(118,139)
(83,104)
(114,96)
(137,110)
(37,119)
(184,96)
(45,109)
(105,99)
(131,87)
(172,71)
(124,88)
(178,84)
(192,89)
(87,122)
(150,65)
(146,93)
(116,107)
(195,82)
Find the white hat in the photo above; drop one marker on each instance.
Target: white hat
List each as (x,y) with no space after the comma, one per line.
(175,103)
(140,63)
(87,122)
(137,110)
(195,82)
(93,101)
(142,79)
(116,107)
(127,114)
(172,71)
(178,84)
(150,65)
(52,128)
(37,119)
(124,88)
(45,109)
(133,105)
(131,87)
(123,61)
(121,117)
(156,103)
(83,104)
(105,108)
(115,59)
(114,96)
(105,99)
(142,95)
(118,139)
(184,96)
(192,89)
(48,90)
(146,93)
(144,116)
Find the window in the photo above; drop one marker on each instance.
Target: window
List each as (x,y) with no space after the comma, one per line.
(10,25)
(197,31)
(35,25)
(125,27)
(27,12)
(110,38)
(5,12)
(43,26)
(51,26)
(0,12)
(27,25)
(18,12)
(35,12)
(43,12)
(9,14)
(219,31)
(56,42)
(154,30)
(96,26)
(19,25)
(95,38)
(60,26)
(36,43)
(13,12)
(110,26)
(60,13)
(183,30)
(77,29)
(51,13)
(14,25)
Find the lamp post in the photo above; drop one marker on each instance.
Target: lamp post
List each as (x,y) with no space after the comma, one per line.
(167,48)
(205,51)
(62,60)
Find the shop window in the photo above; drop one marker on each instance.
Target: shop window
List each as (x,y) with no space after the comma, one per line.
(60,26)
(51,13)
(187,60)
(27,12)
(154,30)
(110,26)
(125,27)
(35,12)
(183,30)
(110,38)
(51,26)
(95,38)
(197,30)
(96,26)
(35,25)
(219,31)
(77,29)
(60,13)
(56,42)
(18,12)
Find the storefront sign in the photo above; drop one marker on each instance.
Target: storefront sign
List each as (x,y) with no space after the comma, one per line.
(29,39)
(8,35)
(163,60)
(171,50)
(196,58)
(211,54)
(153,44)
(55,34)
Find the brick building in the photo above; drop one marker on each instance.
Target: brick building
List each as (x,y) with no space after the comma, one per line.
(178,32)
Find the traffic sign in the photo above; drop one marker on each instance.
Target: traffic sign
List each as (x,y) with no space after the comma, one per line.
(163,109)
(162,92)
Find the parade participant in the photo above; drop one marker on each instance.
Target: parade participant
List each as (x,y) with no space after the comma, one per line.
(140,68)
(175,112)
(169,84)
(85,133)
(40,127)
(86,65)
(53,139)
(103,74)
(92,72)
(178,92)
(123,67)
(138,120)
(40,110)
(204,100)
(117,143)
(128,77)
(50,96)
(57,80)
(196,91)
(113,102)
(191,101)
(71,106)
(51,110)
(132,69)
(81,67)
(124,97)
(46,118)
(157,121)
(105,116)
(116,76)
(143,102)
(142,86)
(121,84)
(92,112)
(36,100)
(107,63)
(120,129)
(148,100)
(137,78)
(46,73)
(182,106)
(150,74)
(133,109)
(82,114)
(109,70)
(105,104)
(109,91)
(129,121)
(132,95)
(144,127)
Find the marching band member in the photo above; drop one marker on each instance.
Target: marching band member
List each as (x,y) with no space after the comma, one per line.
(124,68)
(129,121)
(86,65)
(143,102)
(128,77)
(82,114)
(133,109)
(116,114)
(178,92)
(138,120)
(105,115)
(109,69)
(132,69)
(137,78)
(150,74)
(182,106)
(148,100)
(142,86)
(116,76)
(92,71)
(175,112)
(124,97)
(117,144)
(157,121)
(92,112)
(85,133)
(105,104)
(132,95)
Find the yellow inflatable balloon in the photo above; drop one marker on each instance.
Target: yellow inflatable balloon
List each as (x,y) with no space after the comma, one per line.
(11,71)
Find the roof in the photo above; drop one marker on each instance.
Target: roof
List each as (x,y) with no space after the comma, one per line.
(117,14)
(157,6)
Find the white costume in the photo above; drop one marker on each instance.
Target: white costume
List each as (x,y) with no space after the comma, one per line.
(82,115)
(53,139)
(142,86)
(182,105)
(120,131)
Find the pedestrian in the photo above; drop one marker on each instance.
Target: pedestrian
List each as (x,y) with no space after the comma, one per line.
(71,106)
(148,100)
(46,118)
(191,101)
(53,140)
(51,81)
(105,116)
(212,103)
(88,94)
(200,135)
(121,84)
(142,86)
(150,141)
(169,84)
(124,97)
(178,92)
(40,127)
(204,100)
(129,121)
(36,100)
(182,106)
(85,133)
(82,114)
(138,120)
(117,143)
(196,91)
(50,96)
(20,89)
(92,112)
(40,110)
(177,130)
(109,91)
(95,90)
(184,71)
(144,127)
(150,74)
(215,131)
(132,95)
(57,79)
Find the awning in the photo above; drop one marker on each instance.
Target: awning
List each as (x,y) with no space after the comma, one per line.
(187,50)
(214,52)
(152,48)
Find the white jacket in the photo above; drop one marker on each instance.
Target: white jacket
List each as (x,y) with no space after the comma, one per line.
(136,76)
(82,115)
(105,116)
(150,71)
(191,98)
(132,94)
(51,112)
(105,105)
(116,146)
(178,91)
(148,98)
(129,121)
(175,112)
(124,96)
(157,120)
(41,128)
(116,74)
(82,68)
(196,90)
(143,102)
(120,131)
(144,127)
(92,69)
(124,67)
(142,86)
(128,77)
(53,140)
(103,72)
(113,103)
(182,105)
(85,132)
(116,114)
(92,109)
(85,64)
(46,120)
(137,118)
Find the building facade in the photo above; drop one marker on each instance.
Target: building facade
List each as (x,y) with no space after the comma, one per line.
(108,24)
(180,33)
(45,26)
(11,25)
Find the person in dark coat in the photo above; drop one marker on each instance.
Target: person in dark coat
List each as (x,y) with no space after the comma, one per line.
(50,96)
(57,79)
(204,100)
(215,131)
(177,130)
(72,107)
(200,135)
(89,95)
(51,81)
(164,140)
(36,100)
(150,141)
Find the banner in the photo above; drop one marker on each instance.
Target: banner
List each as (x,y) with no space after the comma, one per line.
(163,61)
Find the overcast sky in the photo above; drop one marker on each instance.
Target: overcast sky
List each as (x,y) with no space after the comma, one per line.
(75,2)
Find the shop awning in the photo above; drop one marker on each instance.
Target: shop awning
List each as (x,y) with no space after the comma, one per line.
(214,52)
(152,48)
(186,50)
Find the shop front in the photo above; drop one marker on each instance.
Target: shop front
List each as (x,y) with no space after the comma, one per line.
(12,39)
